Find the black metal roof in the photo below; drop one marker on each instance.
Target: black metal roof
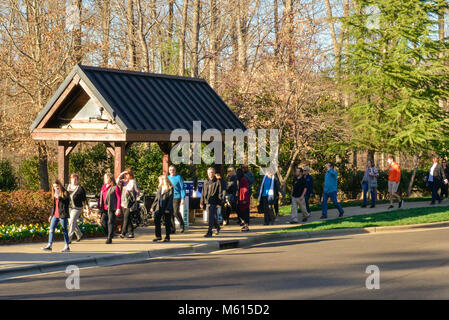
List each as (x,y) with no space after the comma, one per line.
(144,102)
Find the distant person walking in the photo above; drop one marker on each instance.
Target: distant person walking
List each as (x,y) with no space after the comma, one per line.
(179,193)
(369,184)
(330,190)
(299,190)
(128,202)
(269,192)
(231,196)
(163,206)
(59,213)
(244,199)
(444,188)
(78,199)
(249,176)
(211,200)
(309,186)
(109,205)
(436,177)
(394,178)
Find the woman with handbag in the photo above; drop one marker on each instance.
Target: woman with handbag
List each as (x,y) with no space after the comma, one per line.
(109,205)
(59,213)
(163,206)
(129,204)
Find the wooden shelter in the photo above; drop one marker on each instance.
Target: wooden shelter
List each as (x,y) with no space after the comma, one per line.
(119,107)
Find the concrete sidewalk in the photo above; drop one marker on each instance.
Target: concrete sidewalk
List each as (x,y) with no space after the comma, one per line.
(25,259)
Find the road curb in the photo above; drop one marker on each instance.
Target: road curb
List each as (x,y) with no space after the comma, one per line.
(211,246)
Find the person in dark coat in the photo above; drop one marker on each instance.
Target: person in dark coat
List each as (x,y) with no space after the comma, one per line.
(243,201)
(211,200)
(109,205)
(444,188)
(436,178)
(59,213)
(163,206)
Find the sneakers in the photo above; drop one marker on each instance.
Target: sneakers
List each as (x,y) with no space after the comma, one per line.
(390,207)
(208,235)
(373,206)
(293,222)
(109,241)
(323,217)
(66,249)
(130,236)
(218,231)
(167,240)
(364,206)
(341,215)
(122,236)
(401,203)
(47,248)
(157,239)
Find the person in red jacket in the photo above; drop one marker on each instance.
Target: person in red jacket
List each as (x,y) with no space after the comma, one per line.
(244,199)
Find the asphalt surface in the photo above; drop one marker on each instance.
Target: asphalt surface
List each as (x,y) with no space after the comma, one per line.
(412,265)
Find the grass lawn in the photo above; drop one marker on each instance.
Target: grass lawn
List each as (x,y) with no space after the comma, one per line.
(285,210)
(388,218)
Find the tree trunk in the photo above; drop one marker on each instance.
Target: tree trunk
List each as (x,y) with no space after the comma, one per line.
(182,40)
(241,35)
(276,27)
(78,32)
(105,9)
(143,43)
(195,37)
(213,13)
(417,161)
(132,57)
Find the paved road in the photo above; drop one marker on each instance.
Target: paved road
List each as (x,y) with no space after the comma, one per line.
(413,265)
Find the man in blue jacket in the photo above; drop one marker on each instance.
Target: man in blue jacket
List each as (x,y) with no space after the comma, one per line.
(330,190)
(179,193)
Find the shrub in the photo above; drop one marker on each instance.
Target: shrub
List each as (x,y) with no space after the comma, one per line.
(8,180)
(25,207)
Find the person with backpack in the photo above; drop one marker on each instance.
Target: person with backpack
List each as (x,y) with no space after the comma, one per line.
(59,214)
(128,202)
(163,206)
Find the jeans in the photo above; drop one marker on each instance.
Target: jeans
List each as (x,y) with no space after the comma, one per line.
(373,193)
(53,224)
(436,185)
(127,226)
(333,196)
(212,217)
(157,223)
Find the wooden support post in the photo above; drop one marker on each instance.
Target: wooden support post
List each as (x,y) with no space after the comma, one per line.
(63,163)
(165,148)
(119,158)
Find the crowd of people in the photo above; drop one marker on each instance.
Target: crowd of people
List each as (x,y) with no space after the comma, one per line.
(228,194)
